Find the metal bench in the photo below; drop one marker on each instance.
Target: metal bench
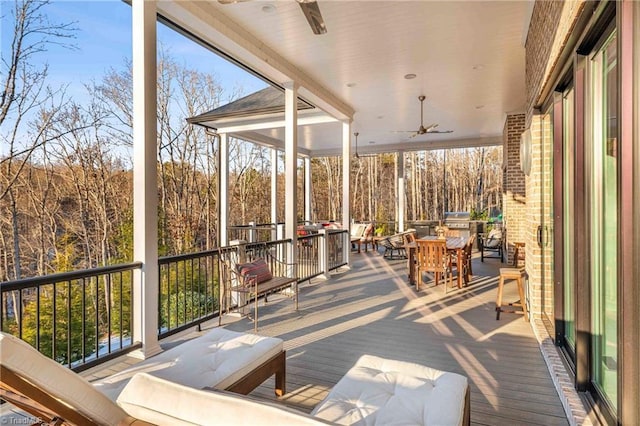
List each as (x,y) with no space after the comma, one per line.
(236,276)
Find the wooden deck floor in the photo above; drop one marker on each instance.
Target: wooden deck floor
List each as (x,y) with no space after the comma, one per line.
(371,309)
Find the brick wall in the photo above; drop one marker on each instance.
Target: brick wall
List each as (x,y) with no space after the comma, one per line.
(513,183)
(539,200)
(549,29)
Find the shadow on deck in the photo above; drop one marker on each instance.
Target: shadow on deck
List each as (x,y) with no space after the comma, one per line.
(371,309)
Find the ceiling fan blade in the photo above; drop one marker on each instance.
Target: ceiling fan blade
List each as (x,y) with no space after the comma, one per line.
(311,11)
(422,130)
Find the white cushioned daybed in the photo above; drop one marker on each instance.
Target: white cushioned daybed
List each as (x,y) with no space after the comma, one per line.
(374,392)
(220,359)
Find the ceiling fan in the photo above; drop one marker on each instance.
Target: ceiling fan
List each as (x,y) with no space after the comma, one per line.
(310,9)
(359,156)
(424,130)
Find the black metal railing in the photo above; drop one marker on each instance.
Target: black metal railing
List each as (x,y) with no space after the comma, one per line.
(188,290)
(308,260)
(78,318)
(261,232)
(83,318)
(278,249)
(338,243)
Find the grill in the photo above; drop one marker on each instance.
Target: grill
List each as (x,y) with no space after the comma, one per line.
(458,221)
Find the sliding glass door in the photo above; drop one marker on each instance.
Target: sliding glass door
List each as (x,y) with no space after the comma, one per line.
(603,203)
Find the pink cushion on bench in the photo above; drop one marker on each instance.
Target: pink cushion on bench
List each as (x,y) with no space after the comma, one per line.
(257,268)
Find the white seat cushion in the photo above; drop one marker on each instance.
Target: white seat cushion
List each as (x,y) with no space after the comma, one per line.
(378,391)
(216,359)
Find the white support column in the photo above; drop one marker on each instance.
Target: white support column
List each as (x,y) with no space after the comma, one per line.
(401,191)
(223,189)
(274,192)
(291,166)
(307,189)
(145,179)
(323,253)
(346,182)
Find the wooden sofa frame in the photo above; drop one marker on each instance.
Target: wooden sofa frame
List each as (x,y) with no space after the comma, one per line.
(276,365)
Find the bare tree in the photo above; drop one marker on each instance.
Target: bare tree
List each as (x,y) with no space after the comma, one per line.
(25,94)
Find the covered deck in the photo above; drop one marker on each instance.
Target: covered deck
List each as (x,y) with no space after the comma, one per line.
(371,309)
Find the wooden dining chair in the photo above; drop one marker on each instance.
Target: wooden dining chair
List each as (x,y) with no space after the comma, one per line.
(466,259)
(465,267)
(433,257)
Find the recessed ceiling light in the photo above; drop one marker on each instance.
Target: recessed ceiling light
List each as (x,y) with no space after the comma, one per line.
(268,8)
(409,76)
(479,106)
(351,85)
(478,66)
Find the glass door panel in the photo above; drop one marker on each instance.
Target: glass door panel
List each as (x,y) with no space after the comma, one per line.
(604,223)
(568,209)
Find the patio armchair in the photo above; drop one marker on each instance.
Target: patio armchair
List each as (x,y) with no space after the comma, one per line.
(394,244)
(361,235)
(492,243)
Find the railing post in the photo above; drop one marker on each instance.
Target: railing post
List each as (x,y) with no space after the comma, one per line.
(346,247)
(281,253)
(323,253)
(240,257)
(252,232)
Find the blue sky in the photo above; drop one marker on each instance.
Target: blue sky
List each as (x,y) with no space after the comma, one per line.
(103,40)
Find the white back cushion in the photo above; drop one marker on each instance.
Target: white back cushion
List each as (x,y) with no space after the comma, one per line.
(163,402)
(358,230)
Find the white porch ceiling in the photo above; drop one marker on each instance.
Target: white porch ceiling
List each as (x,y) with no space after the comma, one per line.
(468,57)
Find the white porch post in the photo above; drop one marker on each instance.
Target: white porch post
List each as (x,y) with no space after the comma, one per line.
(223,189)
(307,189)
(145,186)
(401,191)
(291,166)
(346,184)
(274,192)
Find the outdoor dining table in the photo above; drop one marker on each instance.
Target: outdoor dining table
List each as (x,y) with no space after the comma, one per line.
(454,244)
